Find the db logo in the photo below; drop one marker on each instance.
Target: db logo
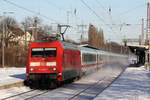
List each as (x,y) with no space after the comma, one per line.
(43,58)
(43,63)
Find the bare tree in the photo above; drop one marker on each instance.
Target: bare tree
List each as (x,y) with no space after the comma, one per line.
(28,24)
(95,37)
(46,31)
(42,30)
(9,22)
(11,29)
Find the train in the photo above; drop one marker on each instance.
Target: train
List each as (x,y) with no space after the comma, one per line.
(54,62)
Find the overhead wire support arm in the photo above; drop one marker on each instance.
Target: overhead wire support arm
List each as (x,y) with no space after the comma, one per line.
(60,30)
(99,17)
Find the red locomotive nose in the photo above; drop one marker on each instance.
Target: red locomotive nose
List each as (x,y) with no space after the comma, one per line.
(43,58)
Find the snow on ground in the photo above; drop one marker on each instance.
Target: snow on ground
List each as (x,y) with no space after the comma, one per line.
(90,85)
(11,75)
(133,84)
(13,91)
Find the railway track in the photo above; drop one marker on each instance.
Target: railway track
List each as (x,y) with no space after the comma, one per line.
(32,94)
(36,95)
(86,88)
(16,95)
(82,91)
(26,95)
(78,94)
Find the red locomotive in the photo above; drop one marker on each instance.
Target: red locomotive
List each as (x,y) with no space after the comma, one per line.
(57,61)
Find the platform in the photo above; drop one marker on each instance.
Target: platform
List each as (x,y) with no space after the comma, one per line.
(133,84)
(10,77)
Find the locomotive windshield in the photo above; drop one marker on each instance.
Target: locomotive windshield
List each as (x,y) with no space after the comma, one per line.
(43,52)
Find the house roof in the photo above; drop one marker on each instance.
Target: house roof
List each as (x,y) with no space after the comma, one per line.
(16,30)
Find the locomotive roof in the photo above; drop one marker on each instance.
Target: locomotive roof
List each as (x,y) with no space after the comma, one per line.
(64,44)
(84,47)
(68,45)
(88,46)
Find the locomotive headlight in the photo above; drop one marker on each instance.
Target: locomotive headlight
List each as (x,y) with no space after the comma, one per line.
(51,64)
(54,69)
(59,74)
(32,69)
(35,64)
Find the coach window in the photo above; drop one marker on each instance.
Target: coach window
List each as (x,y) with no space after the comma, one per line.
(84,58)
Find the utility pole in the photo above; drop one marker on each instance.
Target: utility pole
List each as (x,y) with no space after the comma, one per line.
(140,40)
(147,36)
(3,43)
(147,24)
(82,26)
(35,29)
(81,39)
(25,32)
(109,45)
(142,36)
(106,45)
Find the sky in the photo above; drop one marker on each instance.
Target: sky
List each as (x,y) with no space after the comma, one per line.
(109,15)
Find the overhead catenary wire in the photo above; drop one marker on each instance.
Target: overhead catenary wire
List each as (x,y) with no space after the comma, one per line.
(109,14)
(121,14)
(102,20)
(92,11)
(101,5)
(132,9)
(68,11)
(106,10)
(29,10)
(54,5)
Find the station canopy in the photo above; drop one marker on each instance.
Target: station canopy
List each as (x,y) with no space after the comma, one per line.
(137,49)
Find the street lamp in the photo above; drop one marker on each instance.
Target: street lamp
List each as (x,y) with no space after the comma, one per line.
(3,38)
